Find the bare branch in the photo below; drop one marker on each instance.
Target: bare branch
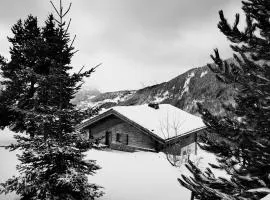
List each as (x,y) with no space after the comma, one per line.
(61,9)
(81,69)
(68,26)
(97,66)
(67,9)
(55,9)
(57,21)
(162,129)
(75,52)
(92,69)
(72,41)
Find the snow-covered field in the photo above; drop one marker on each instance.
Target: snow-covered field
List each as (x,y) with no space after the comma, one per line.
(124,176)
(137,176)
(8,161)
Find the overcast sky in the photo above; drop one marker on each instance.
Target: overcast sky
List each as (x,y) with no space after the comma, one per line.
(139,42)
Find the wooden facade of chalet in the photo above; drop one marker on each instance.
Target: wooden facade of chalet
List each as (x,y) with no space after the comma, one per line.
(118,131)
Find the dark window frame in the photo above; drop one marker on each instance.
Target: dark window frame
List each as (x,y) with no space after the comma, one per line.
(90,135)
(118,137)
(122,138)
(127,139)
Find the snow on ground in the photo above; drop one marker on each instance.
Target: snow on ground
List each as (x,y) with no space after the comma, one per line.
(137,176)
(143,175)
(203,159)
(7,170)
(8,161)
(6,137)
(131,176)
(124,176)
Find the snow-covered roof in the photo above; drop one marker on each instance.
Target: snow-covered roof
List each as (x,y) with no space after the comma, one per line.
(166,122)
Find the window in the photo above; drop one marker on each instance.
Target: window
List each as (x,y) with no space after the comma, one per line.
(118,137)
(127,140)
(122,138)
(90,135)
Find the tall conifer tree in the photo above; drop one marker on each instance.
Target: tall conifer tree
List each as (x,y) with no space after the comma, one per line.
(242,145)
(37,101)
(18,82)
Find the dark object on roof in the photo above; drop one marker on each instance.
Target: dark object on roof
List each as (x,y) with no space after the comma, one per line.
(154,105)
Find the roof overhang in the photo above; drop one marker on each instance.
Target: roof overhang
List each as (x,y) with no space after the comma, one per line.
(175,139)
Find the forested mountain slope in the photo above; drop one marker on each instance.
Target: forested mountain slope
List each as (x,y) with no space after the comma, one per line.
(184,91)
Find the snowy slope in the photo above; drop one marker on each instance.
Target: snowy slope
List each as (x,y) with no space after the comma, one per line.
(137,176)
(143,175)
(124,176)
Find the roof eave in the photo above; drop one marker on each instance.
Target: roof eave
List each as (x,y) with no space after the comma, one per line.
(184,134)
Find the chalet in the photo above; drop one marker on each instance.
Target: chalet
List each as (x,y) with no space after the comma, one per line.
(152,127)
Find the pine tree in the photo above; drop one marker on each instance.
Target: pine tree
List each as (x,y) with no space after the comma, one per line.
(242,136)
(37,101)
(26,45)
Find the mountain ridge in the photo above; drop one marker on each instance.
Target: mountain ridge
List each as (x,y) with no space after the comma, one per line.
(197,85)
